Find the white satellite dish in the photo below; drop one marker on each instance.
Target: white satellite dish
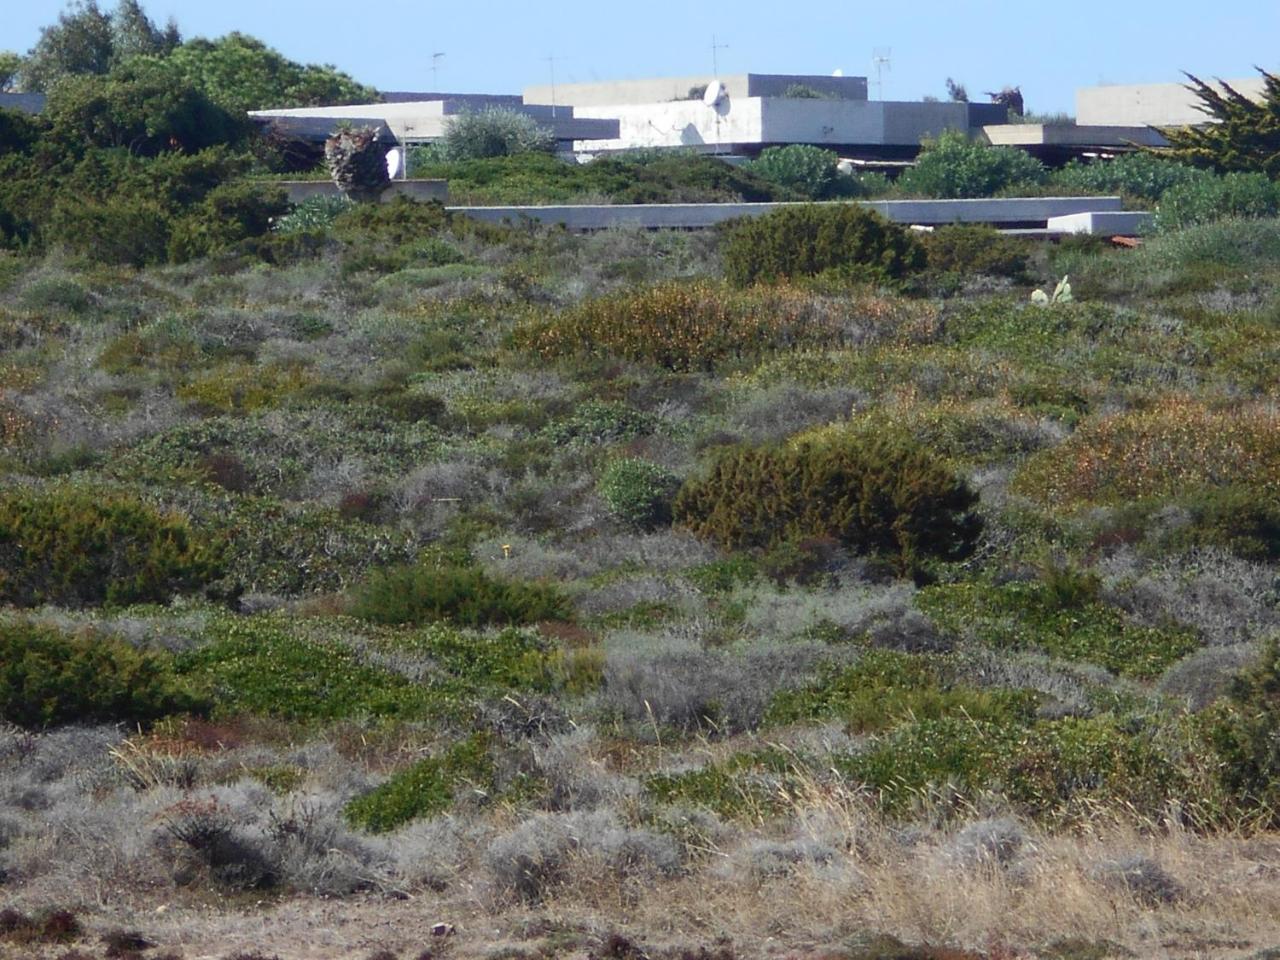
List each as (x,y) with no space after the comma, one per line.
(394,159)
(838,72)
(715,92)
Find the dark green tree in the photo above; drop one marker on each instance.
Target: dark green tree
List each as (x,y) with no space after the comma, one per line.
(134,33)
(80,42)
(242,73)
(10,68)
(1243,135)
(145,106)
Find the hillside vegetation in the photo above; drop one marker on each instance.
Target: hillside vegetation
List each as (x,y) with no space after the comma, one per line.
(799,588)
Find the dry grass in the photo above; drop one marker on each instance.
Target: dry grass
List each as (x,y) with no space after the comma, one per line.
(869,875)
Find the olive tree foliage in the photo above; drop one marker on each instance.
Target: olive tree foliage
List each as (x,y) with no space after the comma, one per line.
(10,67)
(494,132)
(240,72)
(1243,137)
(87,40)
(237,72)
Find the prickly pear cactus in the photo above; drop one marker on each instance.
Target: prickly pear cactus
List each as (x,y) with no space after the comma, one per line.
(357,163)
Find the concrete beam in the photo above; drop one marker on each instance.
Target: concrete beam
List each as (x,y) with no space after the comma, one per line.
(1110,223)
(1014,211)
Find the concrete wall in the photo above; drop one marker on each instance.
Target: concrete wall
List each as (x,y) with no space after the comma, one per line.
(695,216)
(666,89)
(682,123)
(427,119)
(751,122)
(1148,104)
(1102,138)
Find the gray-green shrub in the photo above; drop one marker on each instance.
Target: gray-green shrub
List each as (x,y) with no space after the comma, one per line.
(638,491)
(1245,196)
(495,132)
(955,166)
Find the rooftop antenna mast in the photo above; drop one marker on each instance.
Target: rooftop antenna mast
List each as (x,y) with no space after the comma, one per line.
(435,71)
(715,56)
(882,60)
(551,66)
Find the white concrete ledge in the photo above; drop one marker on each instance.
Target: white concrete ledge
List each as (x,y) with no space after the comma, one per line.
(1124,223)
(1020,211)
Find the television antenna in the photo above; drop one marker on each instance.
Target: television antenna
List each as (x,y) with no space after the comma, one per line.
(882,61)
(715,55)
(551,66)
(435,71)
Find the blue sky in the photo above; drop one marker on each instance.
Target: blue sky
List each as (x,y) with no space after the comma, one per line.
(1050,49)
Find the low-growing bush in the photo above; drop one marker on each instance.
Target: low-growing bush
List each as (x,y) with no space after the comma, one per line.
(1060,615)
(954,166)
(1140,175)
(1170,448)
(685,326)
(639,492)
(885,688)
(76,547)
(842,239)
(1243,734)
(260,665)
(975,250)
(422,790)
(495,132)
(1245,196)
(465,596)
(51,677)
(227,215)
(809,171)
(874,497)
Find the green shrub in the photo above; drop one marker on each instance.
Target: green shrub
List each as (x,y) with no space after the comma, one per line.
(314,213)
(126,230)
(263,665)
(75,547)
(1244,196)
(468,597)
(1242,732)
(1139,175)
(1060,615)
(686,326)
(51,677)
(807,170)
(752,785)
(975,251)
(422,790)
(651,177)
(495,132)
(843,239)
(1170,448)
(228,214)
(638,491)
(885,688)
(876,497)
(955,166)
(600,421)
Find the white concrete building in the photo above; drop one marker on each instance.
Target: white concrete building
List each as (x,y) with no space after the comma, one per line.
(416,121)
(1149,104)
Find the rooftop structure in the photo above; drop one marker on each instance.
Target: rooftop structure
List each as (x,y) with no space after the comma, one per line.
(416,121)
(865,128)
(666,89)
(1149,104)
